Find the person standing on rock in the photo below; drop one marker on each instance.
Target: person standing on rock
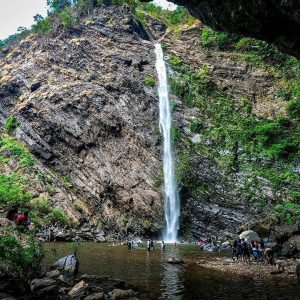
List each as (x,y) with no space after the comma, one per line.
(152,245)
(148,246)
(246,251)
(162,246)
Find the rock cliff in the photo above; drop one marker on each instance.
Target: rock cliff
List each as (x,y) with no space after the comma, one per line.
(85,102)
(85,111)
(274,21)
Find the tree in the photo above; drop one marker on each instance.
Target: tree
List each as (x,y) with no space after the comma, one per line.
(58,5)
(38,18)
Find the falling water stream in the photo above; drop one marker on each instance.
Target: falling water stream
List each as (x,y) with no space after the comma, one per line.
(171,197)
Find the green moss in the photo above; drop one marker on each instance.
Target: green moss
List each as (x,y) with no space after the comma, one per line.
(196,126)
(10,147)
(57,215)
(288,212)
(11,124)
(150,81)
(13,189)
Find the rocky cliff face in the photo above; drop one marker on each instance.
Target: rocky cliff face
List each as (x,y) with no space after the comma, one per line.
(85,111)
(215,200)
(87,108)
(275,21)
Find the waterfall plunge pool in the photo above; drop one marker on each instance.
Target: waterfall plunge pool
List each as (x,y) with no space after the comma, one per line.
(156,279)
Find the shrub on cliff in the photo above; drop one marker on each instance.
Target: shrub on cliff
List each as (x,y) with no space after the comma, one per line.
(11,124)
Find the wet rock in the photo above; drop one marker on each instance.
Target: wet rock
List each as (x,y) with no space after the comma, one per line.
(122,294)
(68,266)
(39,284)
(175,261)
(53,274)
(95,296)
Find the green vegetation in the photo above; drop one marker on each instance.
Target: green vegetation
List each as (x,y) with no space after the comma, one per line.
(179,16)
(78,207)
(233,136)
(196,126)
(66,17)
(150,81)
(68,13)
(57,215)
(210,38)
(20,260)
(288,212)
(12,148)
(11,124)
(13,189)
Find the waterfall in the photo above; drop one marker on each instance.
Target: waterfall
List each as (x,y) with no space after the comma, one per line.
(171,197)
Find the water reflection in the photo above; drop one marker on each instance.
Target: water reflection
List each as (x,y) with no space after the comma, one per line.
(172,281)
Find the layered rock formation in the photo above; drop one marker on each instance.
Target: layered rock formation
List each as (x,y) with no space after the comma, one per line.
(85,111)
(274,21)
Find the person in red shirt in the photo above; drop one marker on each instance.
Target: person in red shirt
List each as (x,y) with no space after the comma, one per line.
(23,219)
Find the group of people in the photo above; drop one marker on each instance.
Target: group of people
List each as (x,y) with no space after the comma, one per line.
(20,219)
(150,245)
(241,247)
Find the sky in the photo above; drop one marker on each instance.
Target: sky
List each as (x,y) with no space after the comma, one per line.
(16,13)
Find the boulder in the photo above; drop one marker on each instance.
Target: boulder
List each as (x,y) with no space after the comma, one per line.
(100,238)
(78,290)
(39,284)
(175,261)
(52,274)
(249,235)
(68,265)
(60,236)
(122,294)
(294,243)
(210,247)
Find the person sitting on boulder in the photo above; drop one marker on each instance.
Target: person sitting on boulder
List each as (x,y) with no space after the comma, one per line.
(12,213)
(23,220)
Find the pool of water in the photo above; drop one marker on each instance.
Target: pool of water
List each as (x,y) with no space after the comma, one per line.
(157,279)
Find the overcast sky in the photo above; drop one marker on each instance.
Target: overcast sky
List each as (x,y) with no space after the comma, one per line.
(16,13)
